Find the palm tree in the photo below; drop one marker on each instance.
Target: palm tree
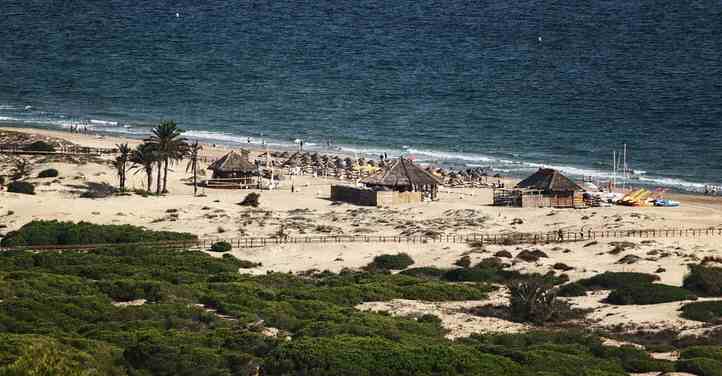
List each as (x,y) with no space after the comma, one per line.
(193,150)
(121,164)
(169,146)
(143,159)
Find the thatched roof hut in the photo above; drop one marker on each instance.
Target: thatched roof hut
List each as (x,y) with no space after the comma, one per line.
(404,175)
(233,165)
(549,180)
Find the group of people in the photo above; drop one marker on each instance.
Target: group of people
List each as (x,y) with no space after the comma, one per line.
(79,129)
(712,190)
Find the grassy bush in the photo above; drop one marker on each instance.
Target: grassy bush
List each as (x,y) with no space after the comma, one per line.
(220,247)
(572,289)
(652,293)
(464,262)
(49,173)
(21,187)
(391,262)
(65,298)
(252,199)
(613,280)
(64,233)
(535,300)
(704,280)
(703,311)
(40,146)
(700,367)
(709,352)
(425,272)
(382,357)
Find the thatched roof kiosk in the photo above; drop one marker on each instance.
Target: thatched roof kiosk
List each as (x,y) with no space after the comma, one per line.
(233,166)
(545,188)
(405,176)
(549,180)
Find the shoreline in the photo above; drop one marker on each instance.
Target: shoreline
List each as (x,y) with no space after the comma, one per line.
(446,160)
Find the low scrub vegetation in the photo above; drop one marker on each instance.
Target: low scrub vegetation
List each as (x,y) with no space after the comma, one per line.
(21,187)
(651,293)
(614,280)
(65,233)
(704,280)
(710,311)
(59,315)
(49,173)
(221,247)
(252,199)
(398,261)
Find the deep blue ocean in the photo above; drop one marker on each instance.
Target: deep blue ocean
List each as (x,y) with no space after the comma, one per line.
(508,84)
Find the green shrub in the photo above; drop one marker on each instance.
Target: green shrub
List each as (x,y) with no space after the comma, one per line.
(429,318)
(704,280)
(700,367)
(49,173)
(652,293)
(703,311)
(425,272)
(572,289)
(474,275)
(69,233)
(40,146)
(220,247)
(252,199)
(709,352)
(534,300)
(464,262)
(21,187)
(613,280)
(381,357)
(391,262)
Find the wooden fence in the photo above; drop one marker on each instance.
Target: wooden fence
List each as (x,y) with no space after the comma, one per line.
(478,239)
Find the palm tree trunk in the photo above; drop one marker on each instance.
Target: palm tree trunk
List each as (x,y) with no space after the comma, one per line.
(195,178)
(158,178)
(122,178)
(149,175)
(165,175)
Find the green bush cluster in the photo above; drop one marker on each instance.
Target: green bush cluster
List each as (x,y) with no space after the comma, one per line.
(652,293)
(700,367)
(221,247)
(49,173)
(614,280)
(57,316)
(40,146)
(704,280)
(252,199)
(21,187)
(63,233)
(710,311)
(398,261)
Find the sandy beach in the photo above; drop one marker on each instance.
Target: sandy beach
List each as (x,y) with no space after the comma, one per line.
(215,214)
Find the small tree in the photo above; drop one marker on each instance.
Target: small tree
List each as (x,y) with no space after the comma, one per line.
(121,164)
(143,158)
(193,155)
